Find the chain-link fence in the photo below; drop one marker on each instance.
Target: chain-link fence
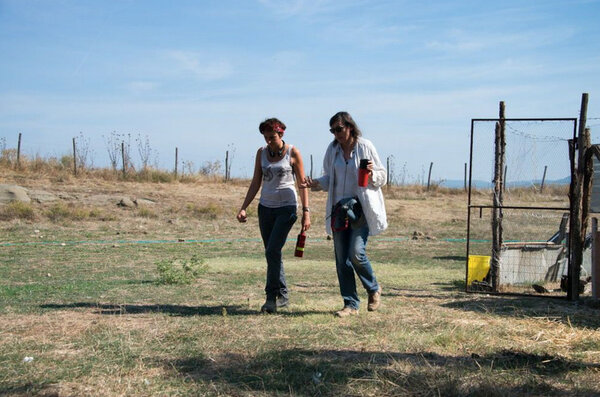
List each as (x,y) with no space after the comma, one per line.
(534,212)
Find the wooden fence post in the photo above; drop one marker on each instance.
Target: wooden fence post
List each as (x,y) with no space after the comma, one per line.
(176,161)
(311,167)
(388,173)
(543,179)
(465,177)
(124,160)
(497,214)
(226,165)
(74,158)
(579,212)
(595,260)
(19,152)
(429,176)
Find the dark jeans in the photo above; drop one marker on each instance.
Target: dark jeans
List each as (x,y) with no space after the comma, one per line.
(350,257)
(275,224)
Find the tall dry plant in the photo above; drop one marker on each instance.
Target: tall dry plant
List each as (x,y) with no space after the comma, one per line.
(118,147)
(84,154)
(144,150)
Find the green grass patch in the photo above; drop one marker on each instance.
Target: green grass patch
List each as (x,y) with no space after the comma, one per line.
(96,321)
(180,271)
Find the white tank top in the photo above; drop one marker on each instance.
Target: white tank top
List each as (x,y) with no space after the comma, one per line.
(278,188)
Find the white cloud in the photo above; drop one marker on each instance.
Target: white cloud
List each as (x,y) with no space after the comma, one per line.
(459,40)
(199,66)
(292,8)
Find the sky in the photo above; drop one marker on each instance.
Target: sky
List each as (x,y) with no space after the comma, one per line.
(201,75)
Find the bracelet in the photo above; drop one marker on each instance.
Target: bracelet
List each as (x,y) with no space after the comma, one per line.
(305,209)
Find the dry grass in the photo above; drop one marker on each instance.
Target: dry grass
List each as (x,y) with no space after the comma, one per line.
(62,170)
(79,295)
(17,210)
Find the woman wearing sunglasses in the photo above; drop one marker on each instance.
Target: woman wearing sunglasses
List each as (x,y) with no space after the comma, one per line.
(275,167)
(354,212)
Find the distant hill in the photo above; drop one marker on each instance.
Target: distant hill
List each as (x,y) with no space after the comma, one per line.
(479,184)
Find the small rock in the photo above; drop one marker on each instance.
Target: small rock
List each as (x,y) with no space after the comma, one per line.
(126,202)
(41,196)
(10,193)
(27,359)
(48,275)
(143,201)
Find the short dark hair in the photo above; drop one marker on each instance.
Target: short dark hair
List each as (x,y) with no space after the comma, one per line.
(348,121)
(270,125)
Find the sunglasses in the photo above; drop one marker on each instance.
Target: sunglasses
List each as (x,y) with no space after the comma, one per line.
(337,129)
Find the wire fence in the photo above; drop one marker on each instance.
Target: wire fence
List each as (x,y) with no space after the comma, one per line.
(535,207)
(536,159)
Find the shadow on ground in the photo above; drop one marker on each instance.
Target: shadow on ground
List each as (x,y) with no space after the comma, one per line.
(451,258)
(571,313)
(173,310)
(335,372)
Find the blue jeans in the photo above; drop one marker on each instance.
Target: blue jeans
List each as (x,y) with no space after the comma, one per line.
(275,224)
(351,256)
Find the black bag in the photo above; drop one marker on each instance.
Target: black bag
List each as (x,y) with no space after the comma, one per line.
(345,213)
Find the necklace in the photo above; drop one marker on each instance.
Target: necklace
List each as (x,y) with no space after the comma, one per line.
(279,152)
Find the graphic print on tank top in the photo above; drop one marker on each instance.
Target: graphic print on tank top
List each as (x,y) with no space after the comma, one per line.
(275,169)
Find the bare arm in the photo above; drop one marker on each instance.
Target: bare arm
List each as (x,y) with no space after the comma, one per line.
(302,186)
(252,189)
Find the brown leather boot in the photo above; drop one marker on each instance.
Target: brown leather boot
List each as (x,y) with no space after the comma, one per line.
(374,300)
(346,311)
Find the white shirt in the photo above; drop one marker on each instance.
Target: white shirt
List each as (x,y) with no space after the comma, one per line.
(346,176)
(370,197)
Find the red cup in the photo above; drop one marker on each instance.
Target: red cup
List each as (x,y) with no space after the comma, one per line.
(363,173)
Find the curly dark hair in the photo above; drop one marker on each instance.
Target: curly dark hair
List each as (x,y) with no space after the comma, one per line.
(270,125)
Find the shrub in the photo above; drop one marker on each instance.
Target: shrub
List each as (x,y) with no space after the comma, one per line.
(17,210)
(66,162)
(8,157)
(144,212)
(210,211)
(61,211)
(156,176)
(177,271)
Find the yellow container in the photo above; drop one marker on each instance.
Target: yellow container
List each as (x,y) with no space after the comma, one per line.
(478,267)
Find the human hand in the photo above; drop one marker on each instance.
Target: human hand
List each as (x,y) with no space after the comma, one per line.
(305,221)
(242,216)
(314,185)
(370,166)
(303,184)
